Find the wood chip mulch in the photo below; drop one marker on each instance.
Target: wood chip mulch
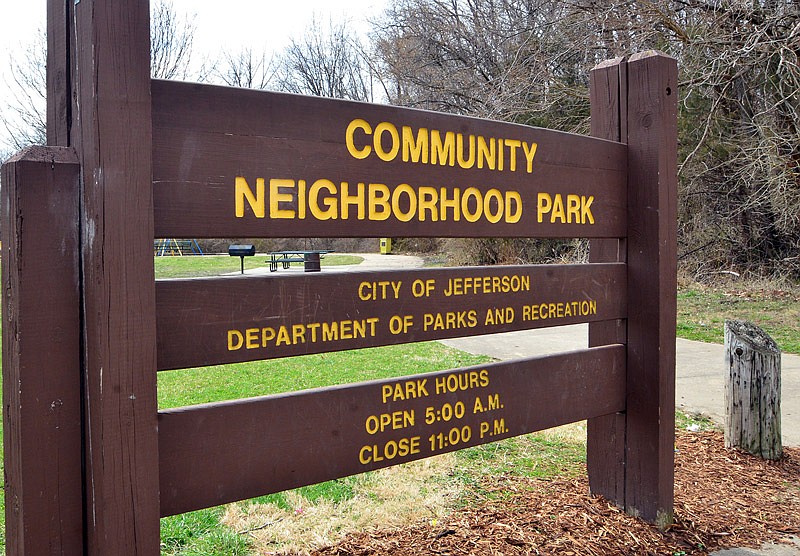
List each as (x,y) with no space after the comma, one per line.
(723,498)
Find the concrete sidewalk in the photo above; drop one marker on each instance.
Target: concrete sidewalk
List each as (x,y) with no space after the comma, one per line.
(699,374)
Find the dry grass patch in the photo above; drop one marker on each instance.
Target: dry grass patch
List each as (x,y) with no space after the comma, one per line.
(425,491)
(392,497)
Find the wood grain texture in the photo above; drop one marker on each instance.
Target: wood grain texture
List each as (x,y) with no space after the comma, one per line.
(605,445)
(652,283)
(59,71)
(112,134)
(205,136)
(42,432)
(241,318)
(752,390)
(231,451)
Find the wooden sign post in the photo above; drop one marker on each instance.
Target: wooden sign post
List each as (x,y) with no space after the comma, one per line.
(92,464)
(630,454)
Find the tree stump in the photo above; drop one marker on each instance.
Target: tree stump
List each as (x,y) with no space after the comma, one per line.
(752,390)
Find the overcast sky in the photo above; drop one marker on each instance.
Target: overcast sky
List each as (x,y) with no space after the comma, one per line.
(226,24)
(229,23)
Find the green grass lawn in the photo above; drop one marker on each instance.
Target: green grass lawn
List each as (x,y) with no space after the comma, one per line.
(702,312)
(200,532)
(260,378)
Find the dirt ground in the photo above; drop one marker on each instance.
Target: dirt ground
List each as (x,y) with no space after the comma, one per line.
(723,498)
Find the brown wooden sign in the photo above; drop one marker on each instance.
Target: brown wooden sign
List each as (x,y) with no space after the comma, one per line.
(231,451)
(242,163)
(225,320)
(161,159)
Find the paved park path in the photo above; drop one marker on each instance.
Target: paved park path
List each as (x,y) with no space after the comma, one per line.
(699,372)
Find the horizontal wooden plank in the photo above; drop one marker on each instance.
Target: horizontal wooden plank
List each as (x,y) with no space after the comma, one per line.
(230,451)
(334,168)
(244,318)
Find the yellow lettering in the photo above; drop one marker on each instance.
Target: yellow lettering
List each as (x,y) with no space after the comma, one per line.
(251,338)
(301,199)
(544,203)
(395,420)
(470,161)
(499,155)
(357,200)
(513,145)
(428,197)
(586,210)
(283,337)
(377,141)
(471,216)
(530,152)
(330,331)
(242,191)
(235,340)
(573,208)
(454,204)
(379,202)
(298,334)
(486,153)
(415,150)
(493,199)
(276,197)
(412,202)
(349,139)
(443,152)
(558,210)
(514,200)
(442,147)
(330,203)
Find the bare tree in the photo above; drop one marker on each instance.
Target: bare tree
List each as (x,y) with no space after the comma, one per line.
(24,115)
(171,42)
(495,58)
(528,61)
(740,165)
(245,69)
(327,62)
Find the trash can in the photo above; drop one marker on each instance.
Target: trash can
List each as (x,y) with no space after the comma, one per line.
(386,245)
(311,262)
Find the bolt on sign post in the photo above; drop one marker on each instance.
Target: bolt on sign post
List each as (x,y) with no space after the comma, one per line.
(133,159)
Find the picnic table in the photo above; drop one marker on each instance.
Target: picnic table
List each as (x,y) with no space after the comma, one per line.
(310,259)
